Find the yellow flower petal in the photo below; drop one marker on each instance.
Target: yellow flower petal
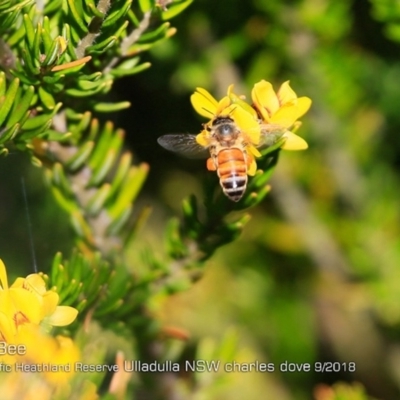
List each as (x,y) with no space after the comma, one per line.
(50,301)
(6,303)
(27,306)
(230,90)
(33,283)
(286,116)
(204,103)
(18,283)
(253,168)
(247,124)
(3,276)
(63,315)
(235,99)
(265,99)
(202,138)
(7,329)
(252,150)
(222,105)
(303,105)
(293,142)
(44,349)
(286,94)
(20,306)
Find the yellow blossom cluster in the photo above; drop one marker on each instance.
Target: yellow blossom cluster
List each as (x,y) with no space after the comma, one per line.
(271,113)
(27,312)
(27,302)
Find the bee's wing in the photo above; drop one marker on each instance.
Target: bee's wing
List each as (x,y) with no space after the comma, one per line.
(270,135)
(184,145)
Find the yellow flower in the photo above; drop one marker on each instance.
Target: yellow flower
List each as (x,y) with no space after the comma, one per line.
(52,314)
(17,307)
(231,106)
(28,302)
(206,105)
(45,367)
(38,365)
(283,109)
(59,352)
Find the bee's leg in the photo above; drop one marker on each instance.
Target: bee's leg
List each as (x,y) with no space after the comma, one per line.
(210,165)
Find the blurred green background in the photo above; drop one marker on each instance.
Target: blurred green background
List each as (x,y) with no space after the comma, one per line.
(315,277)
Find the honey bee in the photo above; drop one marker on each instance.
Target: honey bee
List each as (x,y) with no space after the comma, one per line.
(228,150)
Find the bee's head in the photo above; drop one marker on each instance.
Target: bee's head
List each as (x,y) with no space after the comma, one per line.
(224,127)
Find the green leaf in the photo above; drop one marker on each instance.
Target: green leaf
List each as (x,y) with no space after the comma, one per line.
(40,120)
(19,6)
(192,223)
(118,73)
(53,53)
(175,246)
(92,77)
(68,205)
(254,198)
(101,46)
(31,63)
(128,64)
(175,8)
(52,79)
(80,157)
(133,183)
(121,174)
(85,121)
(117,14)
(89,85)
(155,34)
(111,107)
(52,6)
(38,38)
(77,15)
(95,11)
(35,132)
(9,134)
(21,107)
(3,86)
(96,203)
(102,145)
(57,136)
(133,19)
(104,168)
(30,31)
(60,180)
(46,98)
(140,221)
(146,5)
(16,37)
(47,41)
(87,93)
(118,223)
(6,102)
(80,226)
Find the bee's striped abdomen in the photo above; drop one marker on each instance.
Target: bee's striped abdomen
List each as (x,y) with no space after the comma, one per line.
(232,172)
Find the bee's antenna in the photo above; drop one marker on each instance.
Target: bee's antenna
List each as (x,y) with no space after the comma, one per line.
(28,219)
